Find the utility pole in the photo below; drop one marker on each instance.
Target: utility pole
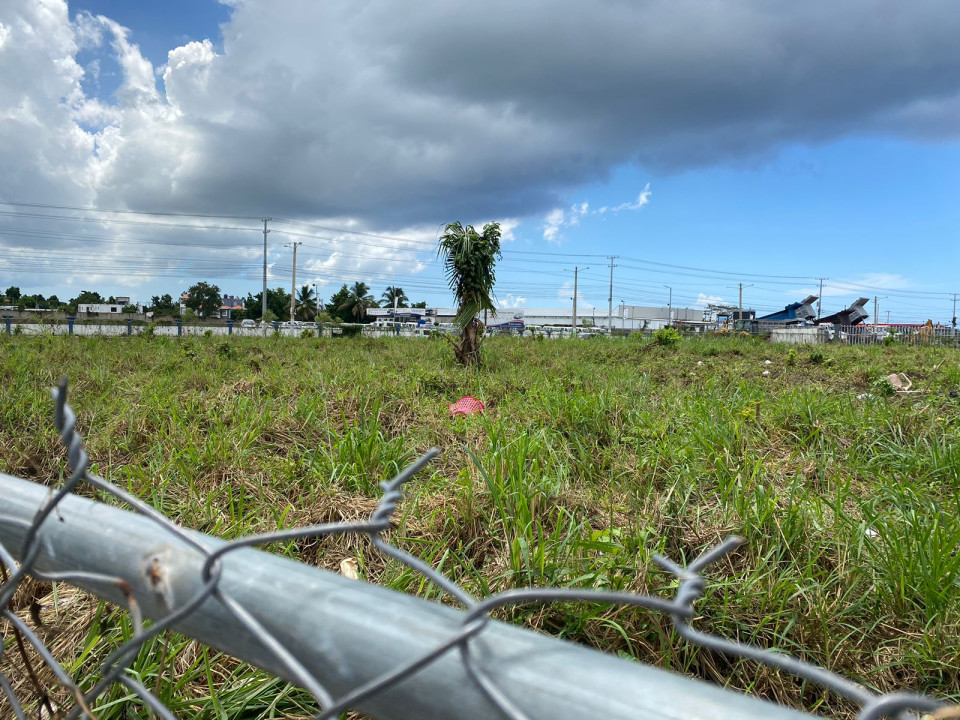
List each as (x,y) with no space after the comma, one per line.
(293,288)
(575,270)
(263,311)
(610,299)
(820,296)
(954,321)
(740,305)
(316,300)
(670,305)
(876,317)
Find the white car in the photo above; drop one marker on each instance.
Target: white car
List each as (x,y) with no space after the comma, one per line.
(248,323)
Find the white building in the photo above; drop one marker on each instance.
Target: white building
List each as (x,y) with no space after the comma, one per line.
(625,317)
(107,308)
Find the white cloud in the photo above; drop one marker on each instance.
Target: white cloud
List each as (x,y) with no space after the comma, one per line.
(642,199)
(558,218)
(511,301)
(703,300)
(507,227)
(343,111)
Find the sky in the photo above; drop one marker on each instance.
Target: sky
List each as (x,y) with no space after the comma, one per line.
(710,146)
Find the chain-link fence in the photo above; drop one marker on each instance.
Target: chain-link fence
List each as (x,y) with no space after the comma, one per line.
(350,644)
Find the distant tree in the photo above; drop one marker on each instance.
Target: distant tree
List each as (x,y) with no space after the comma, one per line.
(469,258)
(33,301)
(163,304)
(336,306)
(204,299)
(358,300)
(421,304)
(306,304)
(394,297)
(111,300)
(53,302)
(129,309)
(189,315)
(12,293)
(278,302)
(87,297)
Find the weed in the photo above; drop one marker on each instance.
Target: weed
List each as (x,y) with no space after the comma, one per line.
(666,336)
(588,458)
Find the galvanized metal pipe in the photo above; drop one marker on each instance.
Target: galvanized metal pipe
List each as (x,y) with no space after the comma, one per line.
(347,632)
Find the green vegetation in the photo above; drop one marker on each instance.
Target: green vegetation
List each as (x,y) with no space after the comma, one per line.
(469,258)
(590,457)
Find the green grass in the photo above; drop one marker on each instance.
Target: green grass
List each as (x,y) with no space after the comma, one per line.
(590,457)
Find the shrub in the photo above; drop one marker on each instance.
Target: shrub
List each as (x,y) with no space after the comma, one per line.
(666,336)
(817,357)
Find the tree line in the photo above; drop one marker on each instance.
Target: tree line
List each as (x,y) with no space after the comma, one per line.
(204,300)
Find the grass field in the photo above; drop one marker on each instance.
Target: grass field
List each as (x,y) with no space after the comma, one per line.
(591,456)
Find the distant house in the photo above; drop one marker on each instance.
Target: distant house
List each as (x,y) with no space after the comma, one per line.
(107,308)
(229,304)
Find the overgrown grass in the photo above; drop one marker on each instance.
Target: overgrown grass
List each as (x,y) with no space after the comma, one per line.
(591,456)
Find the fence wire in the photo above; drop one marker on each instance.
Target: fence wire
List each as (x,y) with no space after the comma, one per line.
(17,564)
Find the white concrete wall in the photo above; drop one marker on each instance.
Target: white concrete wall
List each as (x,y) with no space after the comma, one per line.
(797,336)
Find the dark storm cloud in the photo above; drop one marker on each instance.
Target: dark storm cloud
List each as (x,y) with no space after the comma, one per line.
(397,115)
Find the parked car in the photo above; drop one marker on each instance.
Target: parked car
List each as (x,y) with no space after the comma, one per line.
(248,323)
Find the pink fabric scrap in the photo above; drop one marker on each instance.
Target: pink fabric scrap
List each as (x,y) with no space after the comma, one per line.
(466,406)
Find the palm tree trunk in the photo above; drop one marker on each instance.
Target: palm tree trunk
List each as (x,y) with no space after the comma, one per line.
(468,351)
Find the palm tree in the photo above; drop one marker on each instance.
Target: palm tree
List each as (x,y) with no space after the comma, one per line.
(394,297)
(359,300)
(306,303)
(468,260)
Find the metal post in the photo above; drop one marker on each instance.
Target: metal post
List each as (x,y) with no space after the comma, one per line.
(346,632)
(229,326)
(6,320)
(70,322)
(179,326)
(129,326)
(263,311)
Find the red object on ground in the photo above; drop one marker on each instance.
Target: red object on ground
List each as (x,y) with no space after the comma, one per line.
(466,406)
